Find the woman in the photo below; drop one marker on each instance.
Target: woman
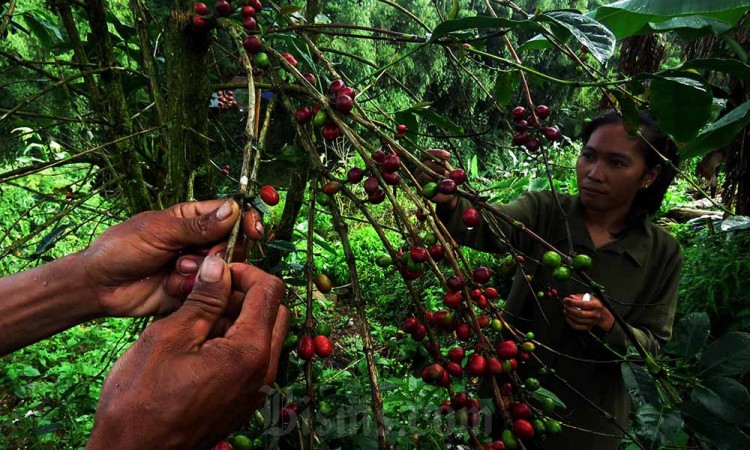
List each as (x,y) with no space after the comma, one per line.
(621,181)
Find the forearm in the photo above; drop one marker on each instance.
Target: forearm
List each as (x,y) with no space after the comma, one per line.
(41,302)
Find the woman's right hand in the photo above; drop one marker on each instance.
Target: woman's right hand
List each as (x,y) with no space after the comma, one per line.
(441,167)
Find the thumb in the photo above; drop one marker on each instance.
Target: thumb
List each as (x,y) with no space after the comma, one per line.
(207,302)
(196,223)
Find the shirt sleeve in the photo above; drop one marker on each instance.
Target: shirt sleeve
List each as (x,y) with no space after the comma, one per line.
(525,209)
(653,326)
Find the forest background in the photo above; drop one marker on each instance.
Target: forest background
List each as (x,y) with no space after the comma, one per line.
(111,108)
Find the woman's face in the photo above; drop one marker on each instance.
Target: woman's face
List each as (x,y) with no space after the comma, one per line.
(611,170)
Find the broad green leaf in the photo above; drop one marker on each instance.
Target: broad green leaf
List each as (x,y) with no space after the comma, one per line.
(639,383)
(712,429)
(40,31)
(720,133)
(440,121)
(731,66)
(655,427)
(682,105)
(506,85)
(30,371)
(469,23)
(629,17)
(125,31)
(599,40)
(409,118)
(725,398)
(691,27)
(728,356)
(689,336)
(538,42)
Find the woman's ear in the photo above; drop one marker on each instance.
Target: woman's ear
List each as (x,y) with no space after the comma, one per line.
(651,175)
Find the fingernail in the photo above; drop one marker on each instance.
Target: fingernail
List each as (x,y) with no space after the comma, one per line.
(225,211)
(212,269)
(187,265)
(259,227)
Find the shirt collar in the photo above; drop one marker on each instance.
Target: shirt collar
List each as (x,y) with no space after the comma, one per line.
(634,242)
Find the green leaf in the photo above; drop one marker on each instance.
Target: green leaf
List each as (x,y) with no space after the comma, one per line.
(691,27)
(505,86)
(655,427)
(681,104)
(543,393)
(712,429)
(469,23)
(538,42)
(720,133)
(440,121)
(30,372)
(690,335)
(36,26)
(124,30)
(731,66)
(725,398)
(629,17)
(599,40)
(639,383)
(728,356)
(408,118)
(48,241)
(454,10)
(473,167)
(284,246)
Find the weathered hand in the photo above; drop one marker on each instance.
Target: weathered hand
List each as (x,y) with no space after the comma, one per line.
(131,267)
(584,316)
(179,388)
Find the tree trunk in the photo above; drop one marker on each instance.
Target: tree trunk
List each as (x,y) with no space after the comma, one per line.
(188,96)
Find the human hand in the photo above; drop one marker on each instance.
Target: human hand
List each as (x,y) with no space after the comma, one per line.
(584,315)
(179,388)
(442,168)
(131,266)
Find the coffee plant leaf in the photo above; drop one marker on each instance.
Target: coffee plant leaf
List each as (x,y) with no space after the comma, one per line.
(586,30)
(720,133)
(690,335)
(711,428)
(726,398)
(630,17)
(727,356)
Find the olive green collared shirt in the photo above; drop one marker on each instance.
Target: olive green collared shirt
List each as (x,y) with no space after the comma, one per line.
(640,274)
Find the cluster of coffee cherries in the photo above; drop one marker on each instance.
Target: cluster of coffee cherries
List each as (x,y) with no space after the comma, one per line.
(342,100)
(529,127)
(226,100)
(386,162)
(464,408)
(223,8)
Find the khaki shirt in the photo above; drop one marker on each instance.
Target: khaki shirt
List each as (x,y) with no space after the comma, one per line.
(639,272)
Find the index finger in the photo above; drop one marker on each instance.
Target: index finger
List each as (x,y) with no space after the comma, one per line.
(575,303)
(437,152)
(263,294)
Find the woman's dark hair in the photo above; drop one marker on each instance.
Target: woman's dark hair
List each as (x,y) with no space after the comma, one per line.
(647,201)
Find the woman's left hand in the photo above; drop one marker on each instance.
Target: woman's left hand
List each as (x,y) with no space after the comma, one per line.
(584,315)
